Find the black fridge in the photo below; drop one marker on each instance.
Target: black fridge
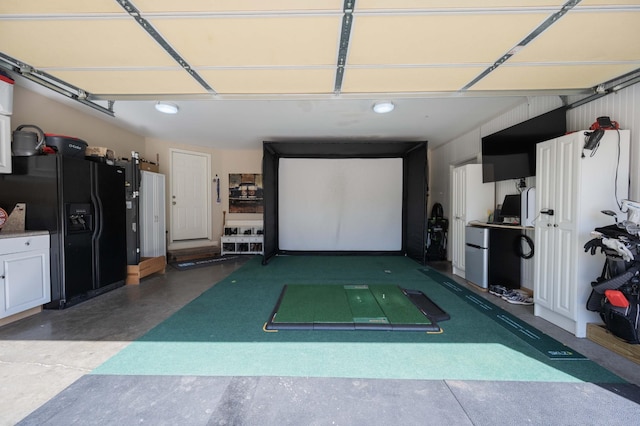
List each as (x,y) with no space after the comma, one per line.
(82,205)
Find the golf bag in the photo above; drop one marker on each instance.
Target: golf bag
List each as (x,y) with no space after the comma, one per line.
(615,294)
(437,227)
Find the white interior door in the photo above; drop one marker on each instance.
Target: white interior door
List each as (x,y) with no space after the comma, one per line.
(189,198)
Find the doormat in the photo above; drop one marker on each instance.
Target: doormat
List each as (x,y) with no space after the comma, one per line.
(547,345)
(190,264)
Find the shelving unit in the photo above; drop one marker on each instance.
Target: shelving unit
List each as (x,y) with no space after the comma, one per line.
(242,237)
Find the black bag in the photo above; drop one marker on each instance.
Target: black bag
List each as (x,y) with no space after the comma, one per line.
(622,322)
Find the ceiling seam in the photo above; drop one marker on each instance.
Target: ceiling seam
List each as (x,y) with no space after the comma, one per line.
(535,33)
(146,25)
(345,34)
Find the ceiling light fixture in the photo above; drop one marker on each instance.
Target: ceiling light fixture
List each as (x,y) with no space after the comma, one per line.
(383,107)
(167,107)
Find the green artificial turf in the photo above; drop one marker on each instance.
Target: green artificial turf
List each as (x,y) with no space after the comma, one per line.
(324,306)
(221,333)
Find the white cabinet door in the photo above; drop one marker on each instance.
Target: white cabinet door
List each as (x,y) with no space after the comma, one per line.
(472,200)
(24,279)
(152,215)
(576,188)
(458,220)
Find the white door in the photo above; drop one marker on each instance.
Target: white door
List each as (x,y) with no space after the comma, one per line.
(190,201)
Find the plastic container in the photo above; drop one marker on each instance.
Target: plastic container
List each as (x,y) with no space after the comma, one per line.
(6,95)
(66,145)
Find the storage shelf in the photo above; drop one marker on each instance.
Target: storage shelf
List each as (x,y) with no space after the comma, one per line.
(244,238)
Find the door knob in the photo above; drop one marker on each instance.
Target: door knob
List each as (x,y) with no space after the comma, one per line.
(174,203)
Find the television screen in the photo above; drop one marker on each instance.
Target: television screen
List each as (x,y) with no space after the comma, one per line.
(511,153)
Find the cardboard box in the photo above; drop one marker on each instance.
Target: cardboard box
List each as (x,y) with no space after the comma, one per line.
(149,167)
(100,151)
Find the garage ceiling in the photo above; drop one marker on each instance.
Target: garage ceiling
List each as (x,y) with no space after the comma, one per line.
(147,50)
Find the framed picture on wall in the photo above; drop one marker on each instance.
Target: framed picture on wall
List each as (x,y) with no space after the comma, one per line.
(245,193)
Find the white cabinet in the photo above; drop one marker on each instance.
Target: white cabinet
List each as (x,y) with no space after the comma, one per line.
(572,189)
(24,273)
(152,215)
(242,237)
(472,200)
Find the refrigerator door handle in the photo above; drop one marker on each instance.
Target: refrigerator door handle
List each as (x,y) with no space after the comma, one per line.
(476,246)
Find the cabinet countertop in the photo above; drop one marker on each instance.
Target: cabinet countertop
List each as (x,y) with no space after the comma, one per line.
(17,234)
(497,225)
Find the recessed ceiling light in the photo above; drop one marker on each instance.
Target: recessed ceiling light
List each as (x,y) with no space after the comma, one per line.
(383,107)
(167,107)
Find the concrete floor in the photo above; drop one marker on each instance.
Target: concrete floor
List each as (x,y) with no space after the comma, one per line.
(42,355)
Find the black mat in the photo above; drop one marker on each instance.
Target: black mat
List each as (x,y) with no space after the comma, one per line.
(198,263)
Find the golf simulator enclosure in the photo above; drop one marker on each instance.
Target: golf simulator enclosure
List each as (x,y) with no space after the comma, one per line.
(344,198)
(354,307)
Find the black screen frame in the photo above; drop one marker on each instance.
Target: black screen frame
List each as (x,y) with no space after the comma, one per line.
(415,186)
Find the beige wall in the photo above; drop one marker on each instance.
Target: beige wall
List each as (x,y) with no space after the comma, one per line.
(223,162)
(55,117)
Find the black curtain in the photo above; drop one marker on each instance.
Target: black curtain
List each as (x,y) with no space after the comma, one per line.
(415,202)
(270,195)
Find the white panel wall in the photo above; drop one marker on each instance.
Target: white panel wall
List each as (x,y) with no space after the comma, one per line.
(468,147)
(623,107)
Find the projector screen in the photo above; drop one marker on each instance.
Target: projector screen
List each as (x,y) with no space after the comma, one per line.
(346,204)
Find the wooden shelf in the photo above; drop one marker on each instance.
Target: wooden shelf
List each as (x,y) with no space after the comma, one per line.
(600,335)
(147,266)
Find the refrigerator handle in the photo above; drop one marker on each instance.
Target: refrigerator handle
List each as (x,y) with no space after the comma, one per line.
(97,206)
(476,246)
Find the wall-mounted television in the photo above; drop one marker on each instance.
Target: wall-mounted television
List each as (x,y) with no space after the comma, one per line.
(511,153)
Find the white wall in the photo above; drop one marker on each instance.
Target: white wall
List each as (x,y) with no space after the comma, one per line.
(623,107)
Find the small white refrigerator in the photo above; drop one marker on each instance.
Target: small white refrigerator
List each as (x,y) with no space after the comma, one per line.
(476,253)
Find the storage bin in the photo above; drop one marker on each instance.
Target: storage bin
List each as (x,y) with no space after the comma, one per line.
(6,95)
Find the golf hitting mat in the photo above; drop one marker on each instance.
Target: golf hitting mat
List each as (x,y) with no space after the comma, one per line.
(354,307)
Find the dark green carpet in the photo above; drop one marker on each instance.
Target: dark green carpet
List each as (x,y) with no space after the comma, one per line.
(221,333)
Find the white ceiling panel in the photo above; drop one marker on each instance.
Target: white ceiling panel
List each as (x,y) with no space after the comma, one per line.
(270,81)
(587,37)
(48,7)
(152,82)
(407,80)
(454,4)
(551,77)
(251,41)
(82,43)
(450,52)
(437,39)
(219,6)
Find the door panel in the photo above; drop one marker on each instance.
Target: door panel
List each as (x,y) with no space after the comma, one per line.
(110,246)
(190,195)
